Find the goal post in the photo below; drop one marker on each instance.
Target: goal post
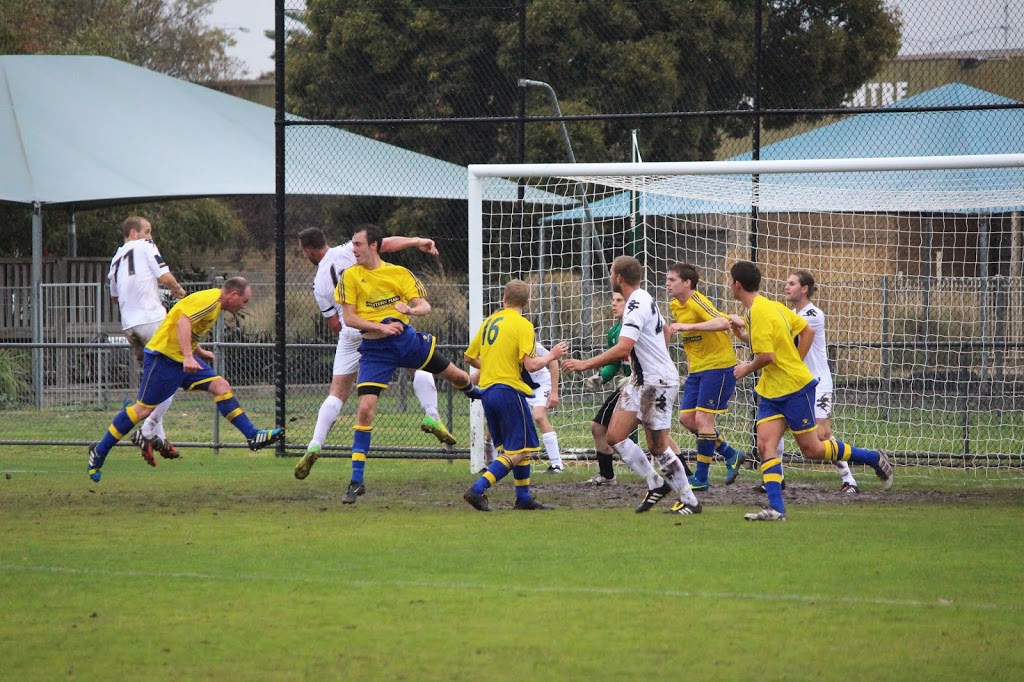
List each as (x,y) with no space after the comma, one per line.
(918,259)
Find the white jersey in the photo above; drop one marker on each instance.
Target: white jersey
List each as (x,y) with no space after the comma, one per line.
(650,361)
(817,357)
(328,274)
(542,377)
(133,280)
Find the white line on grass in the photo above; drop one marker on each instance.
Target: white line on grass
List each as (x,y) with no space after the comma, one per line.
(433,585)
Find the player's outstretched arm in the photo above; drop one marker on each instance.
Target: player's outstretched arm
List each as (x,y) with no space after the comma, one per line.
(392,244)
(531,364)
(613,354)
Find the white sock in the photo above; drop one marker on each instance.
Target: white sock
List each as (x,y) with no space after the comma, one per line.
(426,392)
(781,449)
(635,459)
(843,469)
(489,452)
(674,472)
(551,447)
(154,424)
(325,418)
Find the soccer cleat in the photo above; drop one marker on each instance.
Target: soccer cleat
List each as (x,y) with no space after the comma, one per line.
(884,470)
(165,448)
(653,496)
(766,514)
(598,479)
(95,462)
(435,427)
(478,502)
(307,461)
(552,469)
(354,491)
(265,437)
(732,468)
(760,488)
(685,508)
(849,489)
(698,485)
(145,446)
(531,505)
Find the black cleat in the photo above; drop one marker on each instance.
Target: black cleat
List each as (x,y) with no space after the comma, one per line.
(478,502)
(354,491)
(653,497)
(532,504)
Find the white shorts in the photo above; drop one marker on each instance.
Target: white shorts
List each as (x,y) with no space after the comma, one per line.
(346,357)
(655,405)
(540,396)
(822,404)
(139,335)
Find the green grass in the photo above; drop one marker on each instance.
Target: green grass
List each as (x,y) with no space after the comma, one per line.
(225,567)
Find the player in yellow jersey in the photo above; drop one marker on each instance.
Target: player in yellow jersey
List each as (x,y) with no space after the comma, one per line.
(174,359)
(504,349)
(709,381)
(378,298)
(786,389)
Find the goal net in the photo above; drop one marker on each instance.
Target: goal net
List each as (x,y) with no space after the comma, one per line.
(918,262)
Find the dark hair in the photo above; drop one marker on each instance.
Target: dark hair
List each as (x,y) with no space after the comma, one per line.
(312,238)
(236,284)
(629,269)
(374,235)
(806,279)
(686,271)
(747,274)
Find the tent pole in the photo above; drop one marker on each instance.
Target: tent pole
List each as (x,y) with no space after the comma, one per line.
(37,301)
(72,235)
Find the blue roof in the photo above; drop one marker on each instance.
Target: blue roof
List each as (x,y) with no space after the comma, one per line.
(882,135)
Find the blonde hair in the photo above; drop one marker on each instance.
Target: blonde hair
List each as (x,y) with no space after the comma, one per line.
(517,293)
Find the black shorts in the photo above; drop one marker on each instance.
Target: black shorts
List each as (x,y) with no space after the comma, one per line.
(604,415)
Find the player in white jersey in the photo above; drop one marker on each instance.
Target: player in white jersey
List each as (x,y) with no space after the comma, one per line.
(650,396)
(136,273)
(800,287)
(545,397)
(331,262)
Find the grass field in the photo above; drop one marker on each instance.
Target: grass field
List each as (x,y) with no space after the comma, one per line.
(226,567)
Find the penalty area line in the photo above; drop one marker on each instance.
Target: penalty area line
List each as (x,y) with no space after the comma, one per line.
(537,589)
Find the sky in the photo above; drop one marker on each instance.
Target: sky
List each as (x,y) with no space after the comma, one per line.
(930,26)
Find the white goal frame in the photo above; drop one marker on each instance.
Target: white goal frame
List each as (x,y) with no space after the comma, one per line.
(478,173)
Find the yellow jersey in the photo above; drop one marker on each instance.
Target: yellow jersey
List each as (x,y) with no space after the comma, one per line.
(375,292)
(500,344)
(202,308)
(772,327)
(704,350)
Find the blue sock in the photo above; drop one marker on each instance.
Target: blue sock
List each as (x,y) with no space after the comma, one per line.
(521,473)
(705,454)
(124,421)
(496,470)
(724,449)
(360,447)
(229,408)
(771,474)
(838,450)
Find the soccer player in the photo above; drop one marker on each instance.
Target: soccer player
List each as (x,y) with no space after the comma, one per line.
(709,382)
(545,397)
(378,298)
(174,359)
(650,396)
(331,263)
(503,348)
(786,389)
(799,289)
(599,425)
(136,273)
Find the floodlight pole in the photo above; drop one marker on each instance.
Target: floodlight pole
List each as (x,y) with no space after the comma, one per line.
(588,219)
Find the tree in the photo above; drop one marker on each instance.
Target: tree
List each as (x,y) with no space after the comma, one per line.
(167,36)
(434,58)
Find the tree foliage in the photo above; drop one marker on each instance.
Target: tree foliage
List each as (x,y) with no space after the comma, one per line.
(167,36)
(434,58)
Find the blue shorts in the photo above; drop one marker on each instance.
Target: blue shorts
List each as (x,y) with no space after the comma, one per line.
(708,391)
(796,408)
(509,419)
(379,358)
(163,376)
